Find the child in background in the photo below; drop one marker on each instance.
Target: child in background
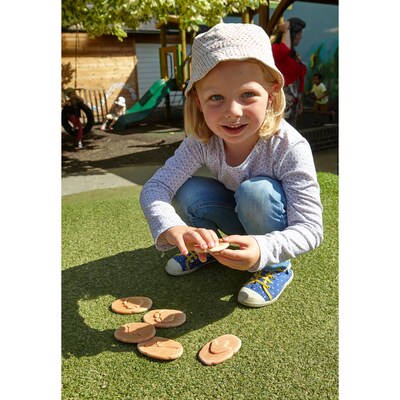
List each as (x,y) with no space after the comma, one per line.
(73,110)
(118,110)
(320,95)
(264,196)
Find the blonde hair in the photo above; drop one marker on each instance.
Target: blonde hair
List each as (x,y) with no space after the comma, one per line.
(196,126)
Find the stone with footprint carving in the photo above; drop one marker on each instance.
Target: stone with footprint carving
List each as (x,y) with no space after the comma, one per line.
(135,332)
(132,305)
(220,349)
(165,318)
(161,348)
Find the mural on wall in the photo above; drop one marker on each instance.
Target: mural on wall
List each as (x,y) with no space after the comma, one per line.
(328,67)
(319,47)
(110,91)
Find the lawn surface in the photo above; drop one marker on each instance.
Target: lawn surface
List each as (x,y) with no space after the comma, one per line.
(289,349)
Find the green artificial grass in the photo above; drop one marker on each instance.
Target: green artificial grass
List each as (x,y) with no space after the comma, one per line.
(289,349)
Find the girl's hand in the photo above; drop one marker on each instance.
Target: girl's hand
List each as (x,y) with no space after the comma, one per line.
(185,237)
(242,259)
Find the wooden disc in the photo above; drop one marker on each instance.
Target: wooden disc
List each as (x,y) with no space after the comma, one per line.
(161,348)
(220,349)
(219,247)
(135,332)
(165,318)
(131,305)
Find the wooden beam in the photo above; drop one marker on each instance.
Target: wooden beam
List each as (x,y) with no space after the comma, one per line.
(263,16)
(185,73)
(282,7)
(246,17)
(329,2)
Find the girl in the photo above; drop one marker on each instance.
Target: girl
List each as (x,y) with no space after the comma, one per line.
(265,195)
(118,110)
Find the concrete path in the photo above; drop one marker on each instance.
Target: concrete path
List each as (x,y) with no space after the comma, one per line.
(325,160)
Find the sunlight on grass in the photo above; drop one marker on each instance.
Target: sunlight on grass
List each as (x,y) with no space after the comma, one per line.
(108,253)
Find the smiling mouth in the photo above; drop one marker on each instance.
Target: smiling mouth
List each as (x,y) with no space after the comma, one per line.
(233,128)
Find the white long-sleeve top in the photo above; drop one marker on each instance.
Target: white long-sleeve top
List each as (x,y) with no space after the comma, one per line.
(285,156)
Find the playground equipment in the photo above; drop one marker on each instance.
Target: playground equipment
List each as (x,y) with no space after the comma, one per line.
(174,74)
(147,103)
(87,119)
(171,80)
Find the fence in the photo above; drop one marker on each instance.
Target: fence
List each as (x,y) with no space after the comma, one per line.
(97,101)
(322,137)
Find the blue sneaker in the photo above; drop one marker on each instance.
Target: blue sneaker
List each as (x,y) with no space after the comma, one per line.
(265,287)
(182,265)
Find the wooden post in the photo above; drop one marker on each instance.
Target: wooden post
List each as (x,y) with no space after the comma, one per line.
(185,72)
(163,61)
(164,69)
(263,16)
(246,17)
(105,104)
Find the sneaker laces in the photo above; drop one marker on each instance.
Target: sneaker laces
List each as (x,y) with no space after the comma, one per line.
(263,281)
(190,259)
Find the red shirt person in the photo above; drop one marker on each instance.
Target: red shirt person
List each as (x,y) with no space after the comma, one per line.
(290,65)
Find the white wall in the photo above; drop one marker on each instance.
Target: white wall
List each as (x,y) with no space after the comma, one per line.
(149,70)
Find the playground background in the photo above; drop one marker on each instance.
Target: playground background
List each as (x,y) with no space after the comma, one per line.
(104,68)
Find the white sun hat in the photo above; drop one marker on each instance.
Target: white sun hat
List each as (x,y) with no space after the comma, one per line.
(226,41)
(120,101)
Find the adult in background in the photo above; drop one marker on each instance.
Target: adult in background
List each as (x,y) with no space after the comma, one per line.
(289,63)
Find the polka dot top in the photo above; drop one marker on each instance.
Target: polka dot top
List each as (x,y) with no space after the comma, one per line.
(285,156)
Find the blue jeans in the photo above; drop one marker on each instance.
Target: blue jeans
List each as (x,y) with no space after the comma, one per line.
(256,208)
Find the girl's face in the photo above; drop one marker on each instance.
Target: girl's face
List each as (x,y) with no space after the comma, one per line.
(233,99)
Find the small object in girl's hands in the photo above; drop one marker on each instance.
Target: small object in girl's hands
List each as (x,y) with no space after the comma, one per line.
(219,247)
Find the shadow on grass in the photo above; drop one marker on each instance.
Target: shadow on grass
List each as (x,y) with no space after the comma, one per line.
(134,146)
(142,155)
(201,295)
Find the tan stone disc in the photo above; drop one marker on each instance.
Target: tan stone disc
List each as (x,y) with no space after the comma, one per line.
(220,349)
(165,318)
(135,332)
(161,348)
(131,305)
(219,247)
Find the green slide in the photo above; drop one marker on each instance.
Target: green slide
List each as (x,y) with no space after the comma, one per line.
(147,103)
